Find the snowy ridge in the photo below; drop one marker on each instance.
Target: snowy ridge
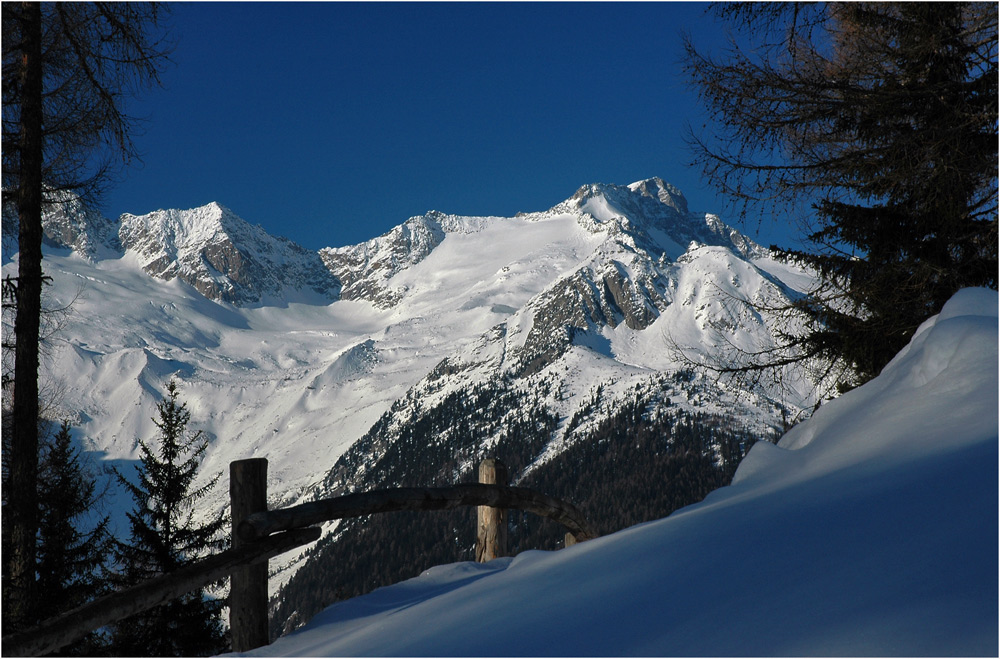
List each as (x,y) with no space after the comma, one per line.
(210,248)
(660,212)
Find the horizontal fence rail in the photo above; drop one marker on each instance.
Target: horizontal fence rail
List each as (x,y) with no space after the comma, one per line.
(259,534)
(261,524)
(60,631)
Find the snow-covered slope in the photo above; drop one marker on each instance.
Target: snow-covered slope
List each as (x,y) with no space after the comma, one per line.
(869,530)
(293,356)
(211,248)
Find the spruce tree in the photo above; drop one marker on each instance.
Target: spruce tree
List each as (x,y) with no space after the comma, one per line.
(165,536)
(71,564)
(877,124)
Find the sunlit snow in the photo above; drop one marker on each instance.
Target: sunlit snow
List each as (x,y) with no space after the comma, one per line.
(297,374)
(871,529)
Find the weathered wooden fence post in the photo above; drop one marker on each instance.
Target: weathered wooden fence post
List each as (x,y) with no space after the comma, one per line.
(248,585)
(491,535)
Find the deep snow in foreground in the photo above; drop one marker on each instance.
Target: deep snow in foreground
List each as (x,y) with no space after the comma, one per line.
(871,529)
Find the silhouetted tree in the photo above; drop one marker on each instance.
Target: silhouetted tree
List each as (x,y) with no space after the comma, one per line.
(165,537)
(67,69)
(72,547)
(878,121)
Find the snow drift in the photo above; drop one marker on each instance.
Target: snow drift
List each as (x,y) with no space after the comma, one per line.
(870,529)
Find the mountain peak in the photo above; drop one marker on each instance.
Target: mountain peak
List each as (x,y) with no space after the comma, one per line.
(196,225)
(659,189)
(660,210)
(649,197)
(223,256)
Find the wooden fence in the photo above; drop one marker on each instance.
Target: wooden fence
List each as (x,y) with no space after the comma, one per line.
(259,534)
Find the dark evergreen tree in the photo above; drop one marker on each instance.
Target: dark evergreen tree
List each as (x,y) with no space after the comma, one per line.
(67,69)
(72,547)
(878,122)
(165,537)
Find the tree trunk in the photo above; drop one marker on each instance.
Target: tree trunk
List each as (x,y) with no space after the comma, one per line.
(23,496)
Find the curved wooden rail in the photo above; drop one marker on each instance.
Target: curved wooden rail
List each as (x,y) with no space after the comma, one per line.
(55,633)
(262,524)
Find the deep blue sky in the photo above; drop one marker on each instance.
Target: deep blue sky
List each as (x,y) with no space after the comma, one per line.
(330,123)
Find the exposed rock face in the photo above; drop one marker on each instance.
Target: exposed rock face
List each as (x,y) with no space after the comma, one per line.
(68,222)
(211,248)
(364,270)
(223,257)
(636,302)
(666,194)
(587,301)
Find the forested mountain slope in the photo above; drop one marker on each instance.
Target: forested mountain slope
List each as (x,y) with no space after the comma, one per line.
(869,530)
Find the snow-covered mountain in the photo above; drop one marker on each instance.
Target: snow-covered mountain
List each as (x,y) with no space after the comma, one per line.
(295,356)
(869,530)
(220,255)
